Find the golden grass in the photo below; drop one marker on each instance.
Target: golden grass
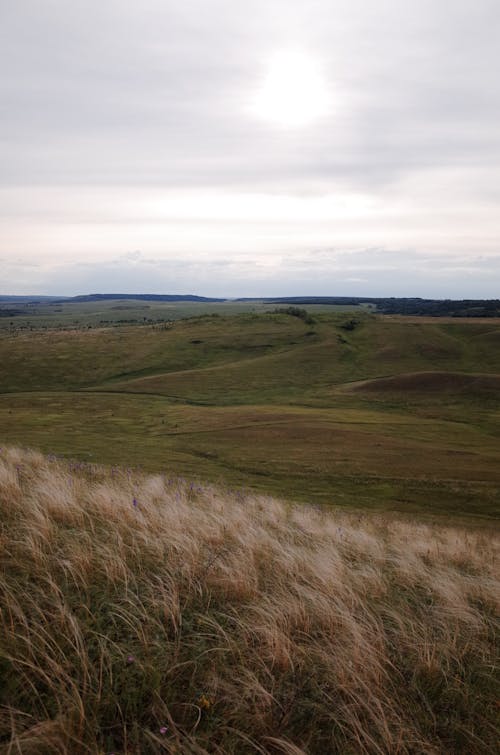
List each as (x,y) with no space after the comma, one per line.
(154,615)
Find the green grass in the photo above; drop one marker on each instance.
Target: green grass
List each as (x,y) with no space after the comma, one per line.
(82,315)
(268,401)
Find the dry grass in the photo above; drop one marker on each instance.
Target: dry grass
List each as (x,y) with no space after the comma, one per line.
(148,615)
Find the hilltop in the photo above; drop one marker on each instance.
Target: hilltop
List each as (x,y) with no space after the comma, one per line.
(152,614)
(139,297)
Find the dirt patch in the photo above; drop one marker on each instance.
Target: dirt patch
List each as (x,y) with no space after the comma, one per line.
(431,382)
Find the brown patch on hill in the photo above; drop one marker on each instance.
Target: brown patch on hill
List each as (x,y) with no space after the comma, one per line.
(491,338)
(444,319)
(431,382)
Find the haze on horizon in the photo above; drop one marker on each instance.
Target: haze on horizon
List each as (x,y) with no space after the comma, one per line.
(228,149)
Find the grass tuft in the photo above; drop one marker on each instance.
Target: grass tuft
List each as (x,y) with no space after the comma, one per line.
(148,614)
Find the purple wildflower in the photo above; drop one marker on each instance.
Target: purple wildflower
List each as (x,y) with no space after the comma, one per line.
(163,730)
(130,658)
(135,502)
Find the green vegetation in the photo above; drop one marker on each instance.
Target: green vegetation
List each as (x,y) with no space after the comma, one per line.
(82,313)
(353,410)
(302,314)
(150,614)
(94,310)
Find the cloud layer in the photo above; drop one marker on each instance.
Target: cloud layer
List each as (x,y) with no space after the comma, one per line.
(130,128)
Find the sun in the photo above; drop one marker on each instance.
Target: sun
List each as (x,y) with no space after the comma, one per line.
(294,92)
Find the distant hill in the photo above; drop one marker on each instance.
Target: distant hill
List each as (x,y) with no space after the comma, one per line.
(140,297)
(383,305)
(34,299)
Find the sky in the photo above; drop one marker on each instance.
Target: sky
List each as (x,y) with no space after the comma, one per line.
(258,148)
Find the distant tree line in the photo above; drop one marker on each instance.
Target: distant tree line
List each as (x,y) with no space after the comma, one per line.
(139,297)
(406,306)
(11,312)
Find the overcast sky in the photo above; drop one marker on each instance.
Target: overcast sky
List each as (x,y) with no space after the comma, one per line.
(267,147)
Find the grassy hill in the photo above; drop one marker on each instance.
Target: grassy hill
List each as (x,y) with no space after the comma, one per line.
(150,614)
(350,409)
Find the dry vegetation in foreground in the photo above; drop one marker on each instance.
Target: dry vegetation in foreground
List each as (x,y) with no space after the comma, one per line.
(150,615)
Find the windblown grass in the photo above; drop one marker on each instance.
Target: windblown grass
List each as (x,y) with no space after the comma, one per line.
(150,615)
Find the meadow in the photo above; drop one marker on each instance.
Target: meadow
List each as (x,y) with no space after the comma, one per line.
(148,614)
(251,532)
(347,408)
(108,312)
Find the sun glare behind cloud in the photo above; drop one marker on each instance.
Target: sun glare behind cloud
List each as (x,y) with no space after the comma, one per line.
(294,92)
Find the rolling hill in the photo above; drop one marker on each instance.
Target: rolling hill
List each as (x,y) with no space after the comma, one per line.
(358,410)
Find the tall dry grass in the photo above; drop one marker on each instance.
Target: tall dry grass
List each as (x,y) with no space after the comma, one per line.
(149,615)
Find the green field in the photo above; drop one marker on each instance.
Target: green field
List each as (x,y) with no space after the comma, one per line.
(112,312)
(351,410)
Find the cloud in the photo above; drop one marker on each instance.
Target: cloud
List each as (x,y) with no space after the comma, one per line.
(105,93)
(362,272)
(129,128)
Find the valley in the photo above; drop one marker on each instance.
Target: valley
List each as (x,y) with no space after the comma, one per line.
(350,409)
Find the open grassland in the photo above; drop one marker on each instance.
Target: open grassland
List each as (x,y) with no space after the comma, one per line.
(150,614)
(351,409)
(113,312)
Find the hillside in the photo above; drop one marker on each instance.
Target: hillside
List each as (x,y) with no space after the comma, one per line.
(150,614)
(139,297)
(350,409)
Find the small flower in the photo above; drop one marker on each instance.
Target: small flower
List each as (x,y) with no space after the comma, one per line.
(163,730)
(205,702)
(135,502)
(130,658)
